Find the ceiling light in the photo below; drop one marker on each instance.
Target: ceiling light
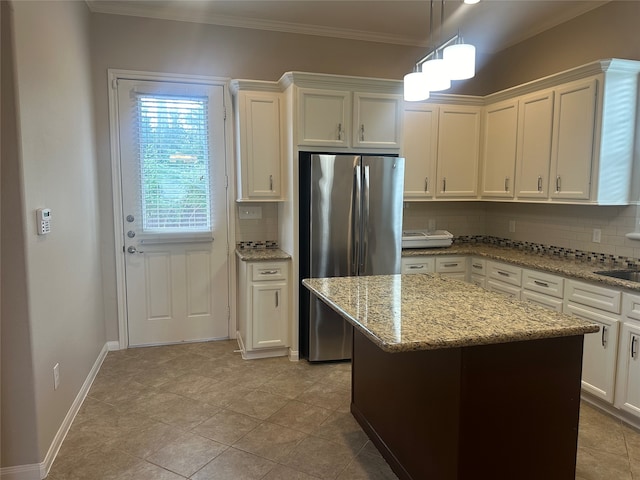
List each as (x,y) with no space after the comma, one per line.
(451,60)
(471,2)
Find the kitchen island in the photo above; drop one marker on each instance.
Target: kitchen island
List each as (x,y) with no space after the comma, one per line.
(453,382)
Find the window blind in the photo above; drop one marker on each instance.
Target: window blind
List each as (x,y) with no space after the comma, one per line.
(172,135)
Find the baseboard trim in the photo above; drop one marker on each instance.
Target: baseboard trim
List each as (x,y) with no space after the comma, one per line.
(113,345)
(294,355)
(34,471)
(38,471)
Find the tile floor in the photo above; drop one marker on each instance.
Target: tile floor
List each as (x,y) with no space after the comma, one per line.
(199,411)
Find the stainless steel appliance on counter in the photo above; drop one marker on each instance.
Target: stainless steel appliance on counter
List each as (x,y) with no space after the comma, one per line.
(350,224)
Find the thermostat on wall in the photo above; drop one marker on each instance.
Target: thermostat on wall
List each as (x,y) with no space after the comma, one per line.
(43,216)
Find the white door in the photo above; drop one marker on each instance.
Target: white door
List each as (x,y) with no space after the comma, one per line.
(174,219)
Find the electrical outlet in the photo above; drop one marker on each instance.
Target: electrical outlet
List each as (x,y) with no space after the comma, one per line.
(56,376)
(432,225)
(512,226)
(597,235)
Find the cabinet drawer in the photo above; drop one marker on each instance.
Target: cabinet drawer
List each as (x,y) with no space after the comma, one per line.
(418,265)
(478,266)
(543,283)
(451,265)
(594,296)
(269,271)
(631,306)
(504,288)
(505,273)
(546,301)
(479,280)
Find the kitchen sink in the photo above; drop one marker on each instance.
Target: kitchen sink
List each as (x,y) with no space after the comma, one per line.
(631,275)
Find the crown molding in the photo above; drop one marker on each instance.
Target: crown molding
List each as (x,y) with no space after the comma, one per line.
(140,10)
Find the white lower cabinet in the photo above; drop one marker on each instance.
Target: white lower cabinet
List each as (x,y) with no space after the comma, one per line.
(628,373)
(418,265)
(543,289)
(602,306)
(504,278)
(477,272)
(263,309)
(452,267)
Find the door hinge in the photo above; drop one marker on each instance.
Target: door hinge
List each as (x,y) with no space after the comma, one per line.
(228,313)
(224,109)
(226,181)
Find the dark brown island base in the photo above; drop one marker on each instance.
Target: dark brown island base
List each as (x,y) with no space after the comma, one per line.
(454,382)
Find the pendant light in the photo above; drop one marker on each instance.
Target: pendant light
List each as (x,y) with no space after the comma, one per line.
(451,60)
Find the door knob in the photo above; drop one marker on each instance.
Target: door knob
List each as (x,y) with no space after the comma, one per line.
(133,249)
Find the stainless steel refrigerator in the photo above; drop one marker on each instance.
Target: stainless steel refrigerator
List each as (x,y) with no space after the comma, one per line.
(350,224)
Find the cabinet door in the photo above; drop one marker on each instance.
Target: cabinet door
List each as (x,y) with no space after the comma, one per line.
(419,149)
(573,142)
(269,302)
(600,351)
(535,122)
(260,146)
(458,151)
(499,152)
(628,379)
(324,117)
(377,121)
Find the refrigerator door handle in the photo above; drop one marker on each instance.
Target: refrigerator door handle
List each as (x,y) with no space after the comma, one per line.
(365,220)
(356,221)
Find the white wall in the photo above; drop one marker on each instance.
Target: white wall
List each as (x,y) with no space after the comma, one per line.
(58,162)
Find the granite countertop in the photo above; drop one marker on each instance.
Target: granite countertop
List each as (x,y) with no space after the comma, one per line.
(261,254)
(424,312)
(580,270)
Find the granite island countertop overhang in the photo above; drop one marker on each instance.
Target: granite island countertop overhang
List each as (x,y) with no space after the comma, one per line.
(402,313)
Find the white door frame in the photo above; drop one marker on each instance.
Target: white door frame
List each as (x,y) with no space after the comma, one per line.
(116,187)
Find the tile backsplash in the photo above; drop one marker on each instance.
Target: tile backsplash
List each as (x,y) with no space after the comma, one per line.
(258,230)
(564,226)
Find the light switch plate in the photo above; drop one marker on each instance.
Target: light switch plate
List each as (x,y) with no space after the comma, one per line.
(250,212)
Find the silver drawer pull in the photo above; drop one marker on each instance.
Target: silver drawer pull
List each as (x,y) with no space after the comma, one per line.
(416,267)
(269,272)
(477,266)
(448,265)
(633,343)
(542,284)
(604,340)
(504,274)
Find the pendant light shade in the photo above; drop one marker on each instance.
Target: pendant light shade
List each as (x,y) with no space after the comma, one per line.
(437,75)
(461,61)
(415,87)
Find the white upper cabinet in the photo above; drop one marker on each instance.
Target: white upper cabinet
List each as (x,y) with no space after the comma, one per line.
(573,140)
(324,117)
(259,146)
(535,123)
(342,119)
(499,151)
(419,149)
(377,120)
(458,151)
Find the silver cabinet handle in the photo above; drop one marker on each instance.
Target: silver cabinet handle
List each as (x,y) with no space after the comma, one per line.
(444,184)
(504,274)
(542,284)
(416,267)
(633,343)
(475,265)
(362,132)
(271,182)
(450,265)
(558,183)
(506,184)
(269,272)
(604,340)
(339,131)
(277,299)
(539,183)
(426,184)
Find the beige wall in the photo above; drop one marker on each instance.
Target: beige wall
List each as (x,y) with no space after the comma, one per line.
(58,162)
(17,408)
